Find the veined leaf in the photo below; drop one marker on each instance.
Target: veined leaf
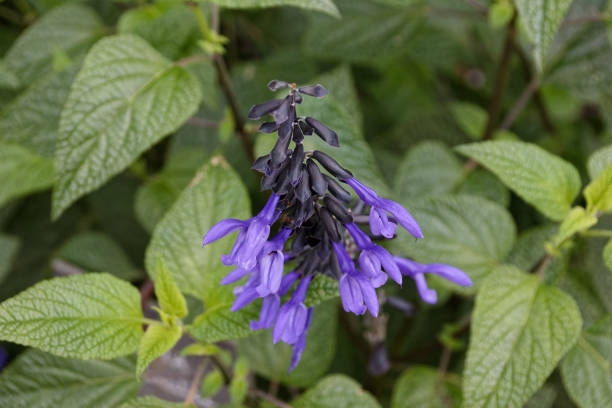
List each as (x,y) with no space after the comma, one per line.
(325,6)
(22,171)
(321,288)
(598,161)
(32,120)
(607,254)
(471,118)
(83,316)
(576,221)
(483,183)
(8,80)
(544,180)
(468,232)
(40,380)
(170,298)
(272,360)
(421,386)
(541,20)
(598,193)
(218,323)
(520,331)
(157,340)
(125,98)
(71,28)
(587,368)
(336,391)
(151,401)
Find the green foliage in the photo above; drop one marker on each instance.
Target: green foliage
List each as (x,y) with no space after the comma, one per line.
(520,331)
(37,380)
(98,111)
(470,233)
(84,316)
(336,391)
(576,221)
(421,386)
(157,340)
(170,298)
(586,370)
(471,118)
(272,360)
(326,6)
(598,193)
(8,249)
(150,402)
(545,181)
(541,20)
(212,383)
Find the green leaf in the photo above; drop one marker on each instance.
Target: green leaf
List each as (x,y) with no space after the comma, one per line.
(336,391)
(8,250)
(272,360)
(542,179)
(23,172)
(520,331)
(157,340)
(213,381)
(71,28)
(321,288)
(484,184)
(168,26)
(598,193)
(97,252)
(218,323)
(500,13)
(151,401)
(83,316)
(598,161)
(541,19)
(468,232)
(168,294)
(8,80)
(32,119)
(40,380)
(576,221)
(157,195)
(421,386)
(429,168)
(587,368)
(126,95)
(607,255)
(471,118)
(324,6)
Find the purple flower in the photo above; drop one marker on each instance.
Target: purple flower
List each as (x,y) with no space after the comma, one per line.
(298,347)
(417,272)
(355,288)
(253,235)
(293,316)
(270,273)
(373,257)
(267,314)
(379,221)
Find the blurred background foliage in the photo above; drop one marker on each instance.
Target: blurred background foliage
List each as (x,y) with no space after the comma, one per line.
(410,79)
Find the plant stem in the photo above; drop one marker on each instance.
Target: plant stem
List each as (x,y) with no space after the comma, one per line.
(520,104)
(540,267)
(201,122)
(269,398)
(500,80)
(595,18)
(193,387)
(598,233)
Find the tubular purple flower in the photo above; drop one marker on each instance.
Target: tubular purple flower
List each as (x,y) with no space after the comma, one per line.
(293,316)
(380,223)
(222,228)
(428,295)
(270,273)
(267,314)
(372,256)
(350,294)
(287,282)
(246,296)
(298,347)
(379,205)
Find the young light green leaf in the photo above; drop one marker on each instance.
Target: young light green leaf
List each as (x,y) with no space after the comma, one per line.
(468,232)
(598,161)
(576,221)
(71,28)
(213,381)
(84,316)
(520,331)
(98,252)
(336,391)
(429,168)
(471,118)
(32,119)
(421,386)
(168,294)
(125,95)
(23,172)
(151,401)
(272,360)
(587,368)
(325,6)
(544,180)
(40,380)
(8,250)
(598,193)
(541,19)
(157,340)
(607,255)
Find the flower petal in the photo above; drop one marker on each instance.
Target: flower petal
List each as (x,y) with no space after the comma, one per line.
(449,273)
(428,295)
(403,216)
(369,295)
(234,276)
(269,310)
(222,228)
(370,264)
(351,295)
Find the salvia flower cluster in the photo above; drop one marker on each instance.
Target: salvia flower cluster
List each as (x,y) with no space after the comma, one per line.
(315,220)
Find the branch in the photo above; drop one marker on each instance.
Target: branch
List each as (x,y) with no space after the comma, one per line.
(193,387)
(269,398)
(520,104)
(500,80)
(595,18)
